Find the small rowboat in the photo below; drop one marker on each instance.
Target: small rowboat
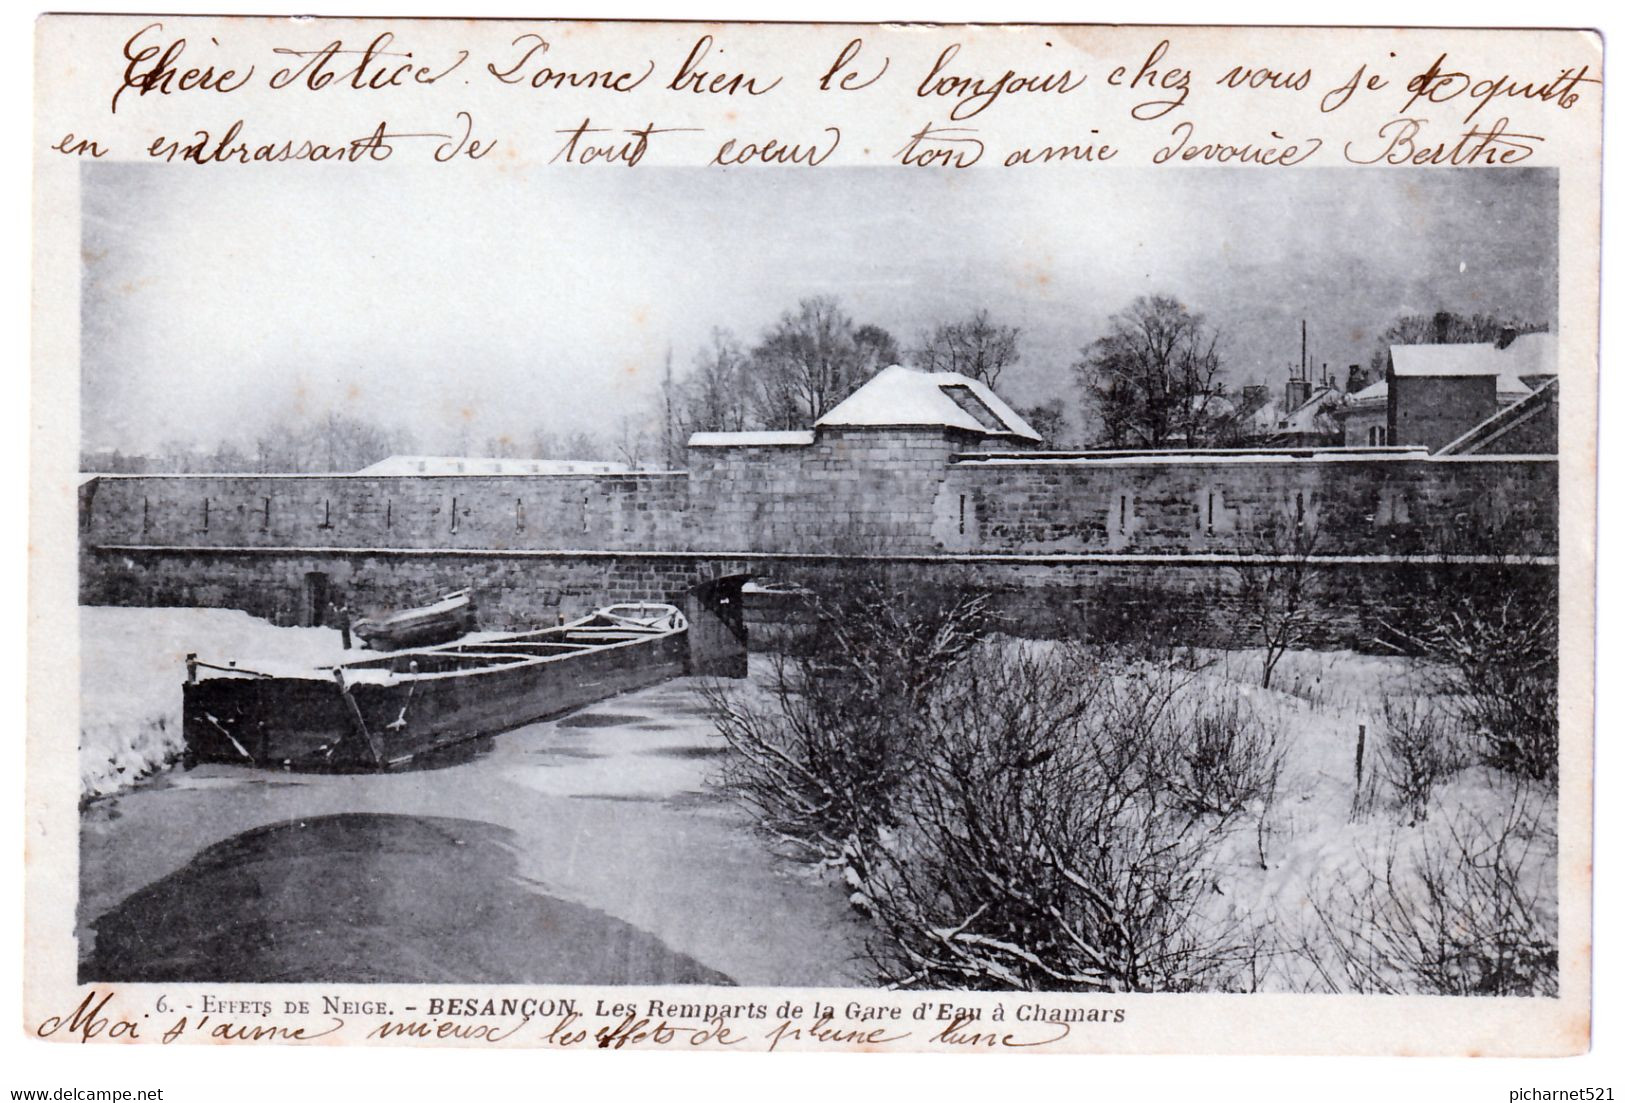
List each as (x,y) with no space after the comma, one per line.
(447,618)
(379,712)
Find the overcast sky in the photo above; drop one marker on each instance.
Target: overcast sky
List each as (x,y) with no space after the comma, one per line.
(511,300)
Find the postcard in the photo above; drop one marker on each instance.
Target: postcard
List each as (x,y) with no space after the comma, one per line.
(845,537)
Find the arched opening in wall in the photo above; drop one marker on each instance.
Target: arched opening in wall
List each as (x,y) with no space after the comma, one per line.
(717,636)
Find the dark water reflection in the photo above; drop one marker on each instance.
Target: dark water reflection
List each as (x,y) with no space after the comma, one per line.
(370,898)
(598,720)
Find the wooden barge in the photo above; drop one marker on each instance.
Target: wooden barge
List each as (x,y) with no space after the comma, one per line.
(379,712)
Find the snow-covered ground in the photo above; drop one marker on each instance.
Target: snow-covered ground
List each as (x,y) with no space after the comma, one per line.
(1316,848)
(133,663)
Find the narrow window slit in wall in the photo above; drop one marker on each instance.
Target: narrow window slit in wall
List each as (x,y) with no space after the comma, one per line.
(205,515)
(519,514)
(1122,513)
(1300,509)
(389,515)
(962,515)
(265,523)
(146,515)
(454,515)
(583,513)
(1210,513)
(327,514)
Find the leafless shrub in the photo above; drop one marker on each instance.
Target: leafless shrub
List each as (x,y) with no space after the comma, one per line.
(817,768)
(1043,849)
(1466,913)
(1008,815)
(1489,635)
(820,762)
(1276,584)
(1500,663)
(1136,623)
(1223,760)
(1420,747)
(888,640)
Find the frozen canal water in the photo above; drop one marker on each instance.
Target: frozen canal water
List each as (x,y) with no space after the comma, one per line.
(590,849)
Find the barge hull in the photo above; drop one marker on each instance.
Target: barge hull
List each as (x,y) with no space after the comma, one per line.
(310,723)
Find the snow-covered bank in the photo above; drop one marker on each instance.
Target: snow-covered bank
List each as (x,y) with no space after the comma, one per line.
(1342,830)
(133,663)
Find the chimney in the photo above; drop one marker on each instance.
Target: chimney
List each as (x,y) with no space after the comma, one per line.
(1441,327)
(1506,337)
(1297,393)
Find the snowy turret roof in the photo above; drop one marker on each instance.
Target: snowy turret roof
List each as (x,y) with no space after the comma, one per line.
(901,396)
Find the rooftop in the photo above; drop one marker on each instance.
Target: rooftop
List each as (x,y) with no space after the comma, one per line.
(901,396)
(481,465)
(1302,420)
(759,438)
(1503,421)
(1370,396)
(1531,355)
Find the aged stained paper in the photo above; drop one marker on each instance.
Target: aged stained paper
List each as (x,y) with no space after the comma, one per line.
(979,537)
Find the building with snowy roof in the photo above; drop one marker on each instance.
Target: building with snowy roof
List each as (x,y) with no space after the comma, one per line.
(905,399)
(1365,416)
(1437,392)
(1302,419)
(900,397)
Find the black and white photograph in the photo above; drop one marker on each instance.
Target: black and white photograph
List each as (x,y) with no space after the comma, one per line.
(516,576)
(1165,607)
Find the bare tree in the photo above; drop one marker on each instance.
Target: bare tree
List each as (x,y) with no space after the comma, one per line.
(545,444)
(1154,377)
(713,399)
(334,442)
(583,444)
(809,361)
(976,347)
(1418,748)
(1276,582)
(1007,816)
(633,444)
(877,349)
(1049,421)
